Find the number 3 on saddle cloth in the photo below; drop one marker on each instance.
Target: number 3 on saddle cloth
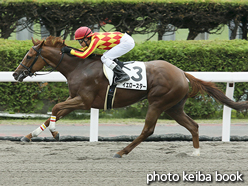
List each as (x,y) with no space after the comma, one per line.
(137,73)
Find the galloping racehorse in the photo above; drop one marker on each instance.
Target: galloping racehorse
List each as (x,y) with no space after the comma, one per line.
(167,89)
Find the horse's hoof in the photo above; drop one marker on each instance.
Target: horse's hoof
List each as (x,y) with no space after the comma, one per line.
(117,156)
(25,139)
(196,152)
(57,137)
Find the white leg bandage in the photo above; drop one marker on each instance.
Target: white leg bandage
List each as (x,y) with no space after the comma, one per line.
(37,131)
(52,127)
(196,152)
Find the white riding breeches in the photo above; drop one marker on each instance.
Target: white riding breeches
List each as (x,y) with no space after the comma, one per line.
(126,44)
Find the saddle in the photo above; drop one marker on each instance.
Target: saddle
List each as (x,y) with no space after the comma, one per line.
(137,73)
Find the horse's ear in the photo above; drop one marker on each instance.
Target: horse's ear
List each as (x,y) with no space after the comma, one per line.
(37,42)
(33,41)
(42,43)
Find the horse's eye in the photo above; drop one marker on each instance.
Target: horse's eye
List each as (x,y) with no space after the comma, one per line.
(29,57)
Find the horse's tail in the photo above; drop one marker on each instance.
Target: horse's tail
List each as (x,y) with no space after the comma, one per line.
(210,88)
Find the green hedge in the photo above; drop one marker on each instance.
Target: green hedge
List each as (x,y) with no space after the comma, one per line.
(215,55)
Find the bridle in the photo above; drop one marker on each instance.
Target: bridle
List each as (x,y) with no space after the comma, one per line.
(28,71)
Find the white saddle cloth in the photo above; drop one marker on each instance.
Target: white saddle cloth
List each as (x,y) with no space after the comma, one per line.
(135,70)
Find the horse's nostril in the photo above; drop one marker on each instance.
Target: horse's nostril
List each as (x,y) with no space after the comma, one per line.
(14,74)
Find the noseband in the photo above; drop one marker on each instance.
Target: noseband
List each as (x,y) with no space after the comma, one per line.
(30,73)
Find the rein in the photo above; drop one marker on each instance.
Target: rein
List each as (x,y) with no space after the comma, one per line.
(30,73)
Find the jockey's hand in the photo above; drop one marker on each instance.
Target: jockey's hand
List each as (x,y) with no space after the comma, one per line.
(66,49)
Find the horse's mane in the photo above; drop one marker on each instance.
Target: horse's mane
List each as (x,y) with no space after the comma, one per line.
(51,41)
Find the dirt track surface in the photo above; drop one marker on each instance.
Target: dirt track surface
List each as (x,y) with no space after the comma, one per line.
(91,163)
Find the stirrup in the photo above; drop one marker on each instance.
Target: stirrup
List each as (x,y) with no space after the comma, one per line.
(118,62)
(121,79)
(120,75)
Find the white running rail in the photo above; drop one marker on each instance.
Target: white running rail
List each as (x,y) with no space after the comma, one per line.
(229,77)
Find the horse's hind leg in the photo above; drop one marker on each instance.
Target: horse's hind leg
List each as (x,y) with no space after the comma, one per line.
(151,119)
(183,119)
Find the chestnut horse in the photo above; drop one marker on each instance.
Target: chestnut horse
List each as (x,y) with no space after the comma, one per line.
(167,90)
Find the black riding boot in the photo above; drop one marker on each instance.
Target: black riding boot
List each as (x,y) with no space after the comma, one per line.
(121,76)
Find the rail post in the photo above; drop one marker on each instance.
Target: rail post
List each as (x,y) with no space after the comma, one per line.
(94,115)
(226,122)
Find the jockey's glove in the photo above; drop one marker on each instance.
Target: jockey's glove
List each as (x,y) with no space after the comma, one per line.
(66,49)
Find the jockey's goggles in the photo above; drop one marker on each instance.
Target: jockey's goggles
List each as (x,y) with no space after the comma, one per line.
(81,41)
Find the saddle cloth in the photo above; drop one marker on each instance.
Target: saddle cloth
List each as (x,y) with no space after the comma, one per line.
(135,70)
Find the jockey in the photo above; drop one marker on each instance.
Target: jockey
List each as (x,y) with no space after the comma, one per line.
(116,44)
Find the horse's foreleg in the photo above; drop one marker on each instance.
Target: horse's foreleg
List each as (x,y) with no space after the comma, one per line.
(35,133)
(58,111)
(45,125)
(62,109)
(150,123)
(51,122)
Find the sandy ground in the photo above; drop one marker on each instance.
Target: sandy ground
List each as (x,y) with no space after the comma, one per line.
(91,164)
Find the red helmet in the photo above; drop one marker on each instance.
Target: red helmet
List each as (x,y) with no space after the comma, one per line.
(83,32)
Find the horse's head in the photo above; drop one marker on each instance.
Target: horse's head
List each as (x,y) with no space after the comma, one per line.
(34,61)
(31,62)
